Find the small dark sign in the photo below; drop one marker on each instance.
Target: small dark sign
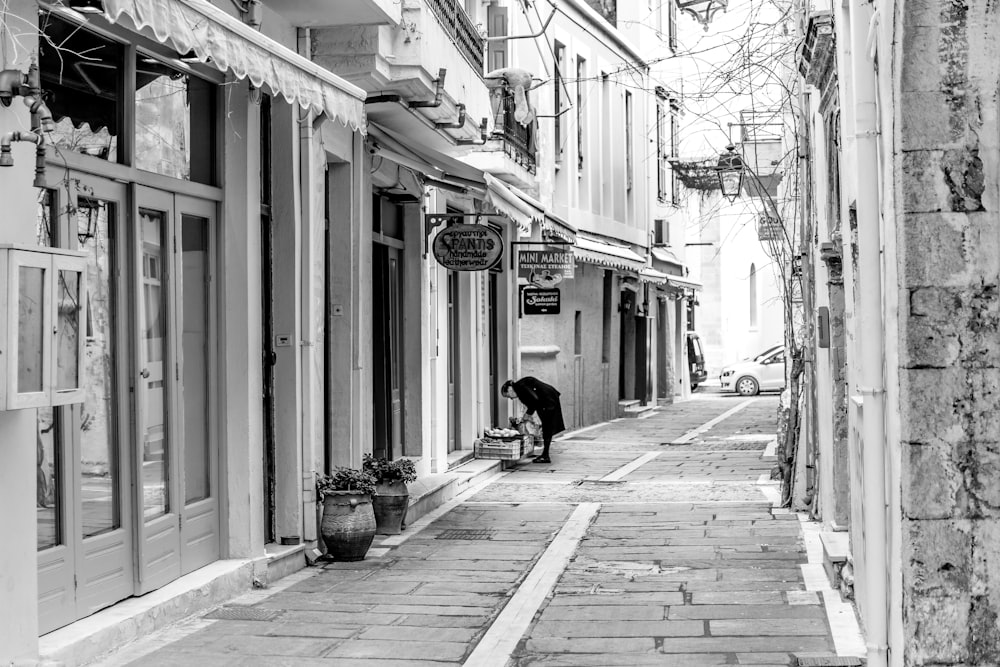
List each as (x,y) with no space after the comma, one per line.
(468,247)
(540,301)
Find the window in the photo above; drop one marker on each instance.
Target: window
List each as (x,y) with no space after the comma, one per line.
(559,52)
(675,190)
(496,56)
(89,88)
(629,157)
(580,72)
(578,333)
(174,122)
(672,25)
(609,282)
(83,76)
(753,296)
(661,232)
(661,150)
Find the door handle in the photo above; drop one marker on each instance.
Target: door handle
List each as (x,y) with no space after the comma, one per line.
(144,373)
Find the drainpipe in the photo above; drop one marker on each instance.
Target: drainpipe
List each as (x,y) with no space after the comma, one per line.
(7,160)
(872,358)
(307,355)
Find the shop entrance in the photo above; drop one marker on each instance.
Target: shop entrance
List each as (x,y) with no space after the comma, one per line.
(387,336)
(128,480)
(387,327)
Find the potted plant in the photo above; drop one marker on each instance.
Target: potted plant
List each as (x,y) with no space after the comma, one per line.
(348,526)
(392,497)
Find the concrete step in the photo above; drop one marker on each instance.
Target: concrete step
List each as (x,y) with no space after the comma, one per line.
(836,551)
(431,491)
(636,410)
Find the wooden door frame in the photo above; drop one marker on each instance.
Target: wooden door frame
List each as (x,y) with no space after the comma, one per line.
(68,561)
(208,550)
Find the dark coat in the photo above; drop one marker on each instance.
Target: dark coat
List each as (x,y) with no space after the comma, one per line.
(536,396)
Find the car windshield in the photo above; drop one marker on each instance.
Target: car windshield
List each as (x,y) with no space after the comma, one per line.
(766,353)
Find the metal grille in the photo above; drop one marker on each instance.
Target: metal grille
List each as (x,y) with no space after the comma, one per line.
(518,140)
(241,613)
(466,534)
(458,25)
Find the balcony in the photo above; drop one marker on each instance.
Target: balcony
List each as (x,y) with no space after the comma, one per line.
(399,65)
(460,28)
(518,140)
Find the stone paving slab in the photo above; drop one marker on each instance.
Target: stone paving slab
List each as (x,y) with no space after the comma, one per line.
(618,628)
(685,564)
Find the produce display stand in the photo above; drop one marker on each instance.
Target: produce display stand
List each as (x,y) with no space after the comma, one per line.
(506,448)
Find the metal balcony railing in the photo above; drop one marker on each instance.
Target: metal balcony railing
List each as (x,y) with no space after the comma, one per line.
(456,23)
(518,140)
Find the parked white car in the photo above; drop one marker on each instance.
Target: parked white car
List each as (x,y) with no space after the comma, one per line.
(764,372)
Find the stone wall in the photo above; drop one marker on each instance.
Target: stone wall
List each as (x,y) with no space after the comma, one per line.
(949,373)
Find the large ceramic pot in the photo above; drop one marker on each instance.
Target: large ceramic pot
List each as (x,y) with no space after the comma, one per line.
(348,526)
(390,503)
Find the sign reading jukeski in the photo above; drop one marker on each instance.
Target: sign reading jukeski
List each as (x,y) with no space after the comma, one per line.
(463,247)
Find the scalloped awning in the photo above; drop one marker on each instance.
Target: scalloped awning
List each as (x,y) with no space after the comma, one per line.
(229,45)
(611,255)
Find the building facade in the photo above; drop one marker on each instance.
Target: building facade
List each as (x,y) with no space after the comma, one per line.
(613,348)
(900,115)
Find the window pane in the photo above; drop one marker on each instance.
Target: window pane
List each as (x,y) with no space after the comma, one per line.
(68,330)
(83,76)
(196,303)
(30,301)
(48,499)
(45,219)
(174,122)
(152,384)
(99,465)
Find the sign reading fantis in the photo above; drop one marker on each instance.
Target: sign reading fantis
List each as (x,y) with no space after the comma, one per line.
(468,247)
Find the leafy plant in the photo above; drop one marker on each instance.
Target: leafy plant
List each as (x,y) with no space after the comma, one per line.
(345,479)
(384,470)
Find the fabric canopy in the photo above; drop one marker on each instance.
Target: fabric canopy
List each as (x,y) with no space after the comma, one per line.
(653,276)
(665,256)
(508,203)
(602,253)
(559,228)
(674,281)
(435,164)
(229,45)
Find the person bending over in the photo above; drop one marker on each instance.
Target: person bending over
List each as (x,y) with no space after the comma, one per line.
(536,396)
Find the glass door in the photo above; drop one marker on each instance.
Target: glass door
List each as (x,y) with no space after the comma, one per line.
(174,339)
(196,406)
(85,539)
(155,463)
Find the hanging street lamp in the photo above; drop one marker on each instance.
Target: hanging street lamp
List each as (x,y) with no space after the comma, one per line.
(730,170)
(702,11)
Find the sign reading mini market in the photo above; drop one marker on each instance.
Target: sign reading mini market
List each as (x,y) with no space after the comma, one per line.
(540,301)
(545,267)
(468,247)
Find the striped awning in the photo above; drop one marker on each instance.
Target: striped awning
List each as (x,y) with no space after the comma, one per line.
(229,45)
(603,253)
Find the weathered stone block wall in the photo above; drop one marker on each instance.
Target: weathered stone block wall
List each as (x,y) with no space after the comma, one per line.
(949,373)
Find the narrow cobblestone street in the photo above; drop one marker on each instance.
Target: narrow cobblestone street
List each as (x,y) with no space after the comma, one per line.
(648,541)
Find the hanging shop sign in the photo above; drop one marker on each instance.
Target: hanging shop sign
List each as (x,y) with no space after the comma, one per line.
(465,247)
(545,267)
(540,301)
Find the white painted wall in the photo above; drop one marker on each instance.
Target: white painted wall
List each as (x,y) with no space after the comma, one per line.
(18,570)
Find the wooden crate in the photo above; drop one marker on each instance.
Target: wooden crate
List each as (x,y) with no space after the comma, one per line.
(506,449)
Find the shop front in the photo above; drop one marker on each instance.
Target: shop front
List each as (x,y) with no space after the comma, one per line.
(147,173)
